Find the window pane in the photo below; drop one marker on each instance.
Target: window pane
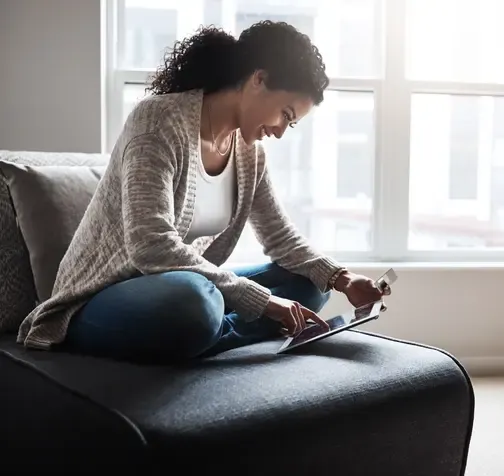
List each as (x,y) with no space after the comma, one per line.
(149,28)
(322,171)
(347,32)
(132,93)
(457,172)
(456,40)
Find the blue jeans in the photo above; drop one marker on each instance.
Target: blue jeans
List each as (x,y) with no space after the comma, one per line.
(178,315)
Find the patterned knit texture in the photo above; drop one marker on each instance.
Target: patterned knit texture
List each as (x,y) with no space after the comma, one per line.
(142,210)
(17,290)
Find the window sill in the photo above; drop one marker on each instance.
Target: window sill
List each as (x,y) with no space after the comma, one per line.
(428,266)
(401,265)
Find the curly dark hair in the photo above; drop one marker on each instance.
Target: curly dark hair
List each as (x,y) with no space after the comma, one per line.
(213,60)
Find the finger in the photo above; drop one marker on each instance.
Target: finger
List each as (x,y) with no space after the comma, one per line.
(375,293)
(307,314)
(287,326)
(300,317)
(291,322)
(376,286)
(290,326)
(384,307)
(386,290)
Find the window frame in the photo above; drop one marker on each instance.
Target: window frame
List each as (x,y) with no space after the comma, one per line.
(393,92)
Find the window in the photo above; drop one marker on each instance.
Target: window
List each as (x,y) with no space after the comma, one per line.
(148,31)
(464,141)
(404,159)
(455,201)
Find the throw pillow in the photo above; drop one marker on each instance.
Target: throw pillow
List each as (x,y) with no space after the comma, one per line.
(49,202)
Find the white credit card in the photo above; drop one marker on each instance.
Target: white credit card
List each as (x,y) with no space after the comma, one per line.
(389,278)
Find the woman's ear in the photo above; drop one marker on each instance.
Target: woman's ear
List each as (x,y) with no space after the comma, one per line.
(259,79)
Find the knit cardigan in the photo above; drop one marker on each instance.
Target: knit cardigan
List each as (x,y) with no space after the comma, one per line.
(141,212)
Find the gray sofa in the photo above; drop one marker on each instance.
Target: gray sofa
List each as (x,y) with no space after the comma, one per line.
(355,404)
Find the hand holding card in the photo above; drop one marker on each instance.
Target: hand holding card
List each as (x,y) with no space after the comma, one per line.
(355,317)
(384,282)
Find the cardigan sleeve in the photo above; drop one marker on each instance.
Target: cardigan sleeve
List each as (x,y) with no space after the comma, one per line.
(281,240)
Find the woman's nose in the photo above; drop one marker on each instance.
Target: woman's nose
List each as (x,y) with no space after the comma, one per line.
(279,131)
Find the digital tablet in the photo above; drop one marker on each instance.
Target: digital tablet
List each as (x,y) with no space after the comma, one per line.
(337,324)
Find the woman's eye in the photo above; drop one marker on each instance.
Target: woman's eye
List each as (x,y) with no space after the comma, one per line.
(289,120)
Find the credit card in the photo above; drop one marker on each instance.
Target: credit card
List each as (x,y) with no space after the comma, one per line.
(389,278)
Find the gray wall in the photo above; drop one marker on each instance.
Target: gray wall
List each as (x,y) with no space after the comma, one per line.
(50,75)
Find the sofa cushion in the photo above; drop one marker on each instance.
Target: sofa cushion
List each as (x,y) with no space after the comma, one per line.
(17,290)
(354,404)
(49,203)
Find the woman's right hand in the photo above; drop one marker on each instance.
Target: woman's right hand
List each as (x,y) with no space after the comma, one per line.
(291,315)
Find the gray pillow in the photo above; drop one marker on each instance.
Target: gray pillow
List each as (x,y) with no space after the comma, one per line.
(49,202)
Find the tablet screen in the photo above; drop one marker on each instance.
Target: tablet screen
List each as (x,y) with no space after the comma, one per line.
(347,319)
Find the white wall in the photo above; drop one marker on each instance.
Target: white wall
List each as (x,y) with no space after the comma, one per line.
(50,75)
(453,307)
(50,100)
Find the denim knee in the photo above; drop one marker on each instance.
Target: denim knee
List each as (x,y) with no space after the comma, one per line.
(310,295)
(196,314)
(200,313)
(160,317)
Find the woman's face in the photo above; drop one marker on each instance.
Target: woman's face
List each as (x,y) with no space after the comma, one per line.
(267,113)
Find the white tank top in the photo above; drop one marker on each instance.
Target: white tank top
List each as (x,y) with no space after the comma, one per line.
(215,199)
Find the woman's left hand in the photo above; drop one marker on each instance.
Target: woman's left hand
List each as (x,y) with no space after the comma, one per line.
(359,290)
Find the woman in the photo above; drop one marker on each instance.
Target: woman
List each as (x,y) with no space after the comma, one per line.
(142,278)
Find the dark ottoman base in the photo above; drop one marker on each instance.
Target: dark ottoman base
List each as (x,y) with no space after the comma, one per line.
(354,404)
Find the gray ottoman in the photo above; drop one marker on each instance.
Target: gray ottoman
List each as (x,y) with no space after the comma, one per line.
(355,404)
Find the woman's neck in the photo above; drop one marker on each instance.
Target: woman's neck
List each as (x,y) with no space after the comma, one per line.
(219,116)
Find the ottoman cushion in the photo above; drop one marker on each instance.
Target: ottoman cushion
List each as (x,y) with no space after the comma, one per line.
(354,404)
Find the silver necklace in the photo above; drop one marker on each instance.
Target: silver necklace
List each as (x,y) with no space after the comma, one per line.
(214,144)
